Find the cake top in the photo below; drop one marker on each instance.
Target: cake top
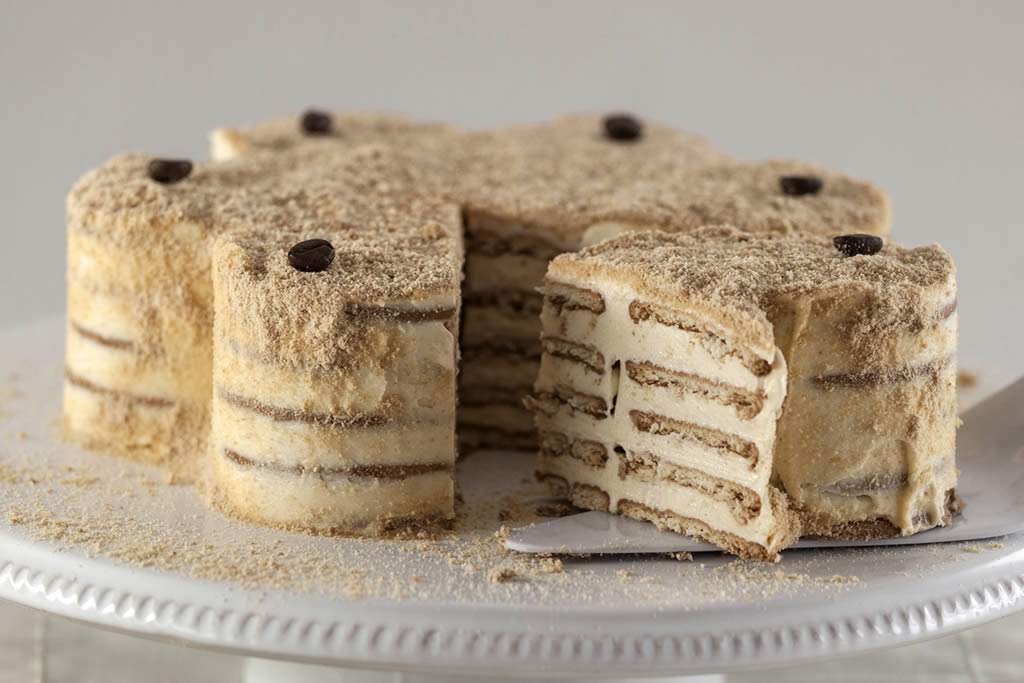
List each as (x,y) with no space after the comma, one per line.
(558,175)
(326,127)
(402,271)
(316,303)
(748,275)
(569,175)
(754,197)
(307,188)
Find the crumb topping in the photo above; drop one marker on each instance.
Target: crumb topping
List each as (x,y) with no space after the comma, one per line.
(751,274)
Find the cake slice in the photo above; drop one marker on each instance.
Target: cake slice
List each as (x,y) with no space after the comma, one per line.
(741,387)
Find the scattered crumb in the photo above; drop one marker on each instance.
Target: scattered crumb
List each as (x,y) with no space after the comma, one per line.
(502,575)
(559,509)
(976,548)
(682,556)
(965,379)
(838,578)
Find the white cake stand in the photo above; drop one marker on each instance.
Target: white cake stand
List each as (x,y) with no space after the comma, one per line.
(602,617)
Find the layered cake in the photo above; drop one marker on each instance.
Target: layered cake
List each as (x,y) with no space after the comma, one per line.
(341,406)
(532,192)
(692,379)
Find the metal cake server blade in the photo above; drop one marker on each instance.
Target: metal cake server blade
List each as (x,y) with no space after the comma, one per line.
(990,454)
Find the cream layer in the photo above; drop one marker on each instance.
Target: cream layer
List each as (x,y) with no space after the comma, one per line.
(417,381)
(903,432)
(651,341)
(169,326)
(120,369)
(134,425)
(292,442)
(330,504)
(681,500)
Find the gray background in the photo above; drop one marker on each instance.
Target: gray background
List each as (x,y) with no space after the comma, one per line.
(924,98)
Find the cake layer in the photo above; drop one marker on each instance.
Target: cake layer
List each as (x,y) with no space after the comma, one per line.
(146,428)
(115,364)
(361,502)
(411,365)
(292,439)
(685,502)
(496,325)
(506,419)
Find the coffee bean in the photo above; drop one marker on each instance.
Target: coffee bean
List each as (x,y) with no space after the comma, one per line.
(316,122)
(858,245)
(169,171)
(623,127)
(311,256)
(799,185)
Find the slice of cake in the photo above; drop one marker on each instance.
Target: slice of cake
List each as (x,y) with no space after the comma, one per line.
(687,378)
(334,376)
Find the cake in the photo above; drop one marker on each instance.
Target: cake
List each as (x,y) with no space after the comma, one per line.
(531,192)
(746,388)
(186,348)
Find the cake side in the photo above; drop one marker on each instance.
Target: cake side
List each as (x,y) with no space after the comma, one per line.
(139,316)
(334,391)
(867,443)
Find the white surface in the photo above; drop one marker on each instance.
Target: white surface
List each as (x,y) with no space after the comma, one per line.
(590,624)
(991,477)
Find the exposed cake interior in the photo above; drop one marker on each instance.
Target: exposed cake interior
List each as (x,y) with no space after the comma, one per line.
(662,411)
